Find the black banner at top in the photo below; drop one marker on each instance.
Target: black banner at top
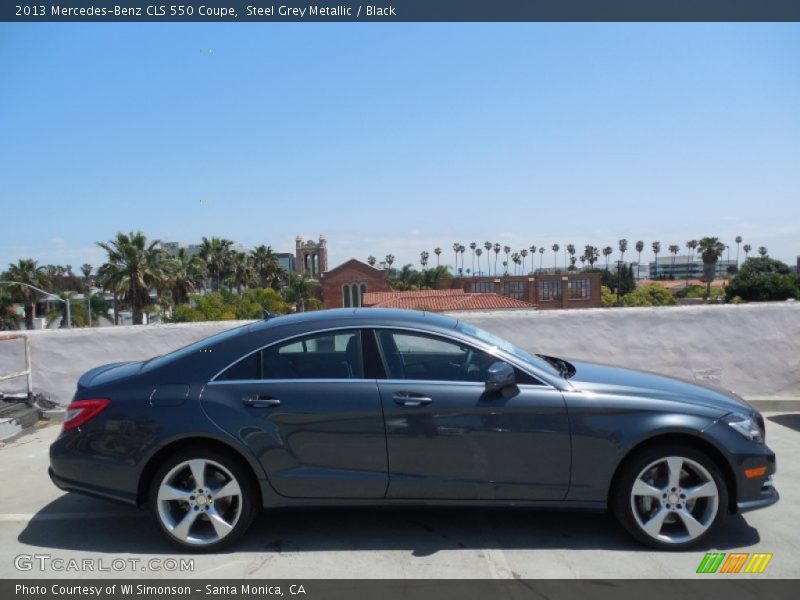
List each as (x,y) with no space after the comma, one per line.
(398,10)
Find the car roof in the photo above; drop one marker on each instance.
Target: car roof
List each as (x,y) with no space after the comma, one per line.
(358,317)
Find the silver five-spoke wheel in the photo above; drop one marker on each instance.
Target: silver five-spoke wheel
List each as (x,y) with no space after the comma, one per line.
(199,502)
(674,500)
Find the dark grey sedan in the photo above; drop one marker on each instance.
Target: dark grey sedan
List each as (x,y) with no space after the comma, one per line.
(372,406)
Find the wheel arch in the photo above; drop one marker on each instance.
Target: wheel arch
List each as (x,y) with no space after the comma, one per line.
(696,442)
(205,442)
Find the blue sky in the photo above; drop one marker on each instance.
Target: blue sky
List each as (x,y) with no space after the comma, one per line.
(398,138)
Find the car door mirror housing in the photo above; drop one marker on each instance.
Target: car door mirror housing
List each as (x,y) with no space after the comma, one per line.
(500,376)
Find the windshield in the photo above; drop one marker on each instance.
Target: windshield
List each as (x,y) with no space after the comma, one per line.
(506,346)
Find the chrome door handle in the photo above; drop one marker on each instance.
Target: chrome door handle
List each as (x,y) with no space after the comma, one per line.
(408,399)
(260,401)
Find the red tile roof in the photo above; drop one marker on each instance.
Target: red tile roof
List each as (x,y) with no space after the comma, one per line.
(442,300)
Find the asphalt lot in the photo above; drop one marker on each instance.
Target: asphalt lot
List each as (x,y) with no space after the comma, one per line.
(38,519)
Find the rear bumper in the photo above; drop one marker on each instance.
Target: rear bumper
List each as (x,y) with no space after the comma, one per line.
(68,485)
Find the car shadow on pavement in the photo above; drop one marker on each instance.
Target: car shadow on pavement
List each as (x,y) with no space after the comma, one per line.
(790,420)
(74,522)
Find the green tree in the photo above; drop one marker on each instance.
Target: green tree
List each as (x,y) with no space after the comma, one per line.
(187,274)
(216,252)
(240,271)
(300,289)
(266,265)
(710,250)
(649,295)
(137,267)
(28,271)
(762,279)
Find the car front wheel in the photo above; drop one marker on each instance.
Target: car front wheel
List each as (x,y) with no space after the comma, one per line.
(202,500)
(670,497)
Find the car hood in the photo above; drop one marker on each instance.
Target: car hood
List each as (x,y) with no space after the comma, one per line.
(107,373)
(605,379)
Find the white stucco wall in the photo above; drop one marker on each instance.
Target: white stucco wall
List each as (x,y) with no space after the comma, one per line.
(753,349)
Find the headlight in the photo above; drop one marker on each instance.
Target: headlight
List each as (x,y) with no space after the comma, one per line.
(747,426)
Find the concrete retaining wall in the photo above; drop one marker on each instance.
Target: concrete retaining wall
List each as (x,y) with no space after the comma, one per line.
(753,349)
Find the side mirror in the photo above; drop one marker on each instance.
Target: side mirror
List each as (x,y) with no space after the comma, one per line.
(499,376)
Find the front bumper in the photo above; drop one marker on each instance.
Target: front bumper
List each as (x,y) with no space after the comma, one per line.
(767,497)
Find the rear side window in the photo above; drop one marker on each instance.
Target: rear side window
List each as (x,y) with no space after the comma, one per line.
(329,355)
(247,368)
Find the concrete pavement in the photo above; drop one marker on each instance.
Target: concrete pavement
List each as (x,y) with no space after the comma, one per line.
(38,519)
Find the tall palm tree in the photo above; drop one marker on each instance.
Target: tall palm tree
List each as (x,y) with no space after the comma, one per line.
(541,256)
(423,258)
(583,261)
(111,278)
(639,247)
(555,257)
(762,251)
(690,246)
(607,251)
(241,271)
(516,260)
(389,260)
(371,260)
(28,271)
(437,252)
(140,266)
(747,249)
(571,251)
(656,250)
(187,275)
(488,247)
(506,251)
(86,271)
(523,253)
(473,246)
(591,253)
(478,252)
(674,249)
(216,252)
(461,250)
(496,249)
(456,248)
(266,265)
(710,250)
(738,241)
(300,289)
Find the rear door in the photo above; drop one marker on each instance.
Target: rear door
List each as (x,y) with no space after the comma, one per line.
(306,410)
(450,439)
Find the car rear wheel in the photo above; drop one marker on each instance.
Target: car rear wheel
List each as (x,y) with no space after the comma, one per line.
(202,500)
(670,497)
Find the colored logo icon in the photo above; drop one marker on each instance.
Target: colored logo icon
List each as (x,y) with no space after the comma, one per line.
(735,562)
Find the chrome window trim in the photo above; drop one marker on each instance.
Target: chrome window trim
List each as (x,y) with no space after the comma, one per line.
(493,350)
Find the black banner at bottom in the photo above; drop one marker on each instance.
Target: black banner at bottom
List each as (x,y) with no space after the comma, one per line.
(397,589)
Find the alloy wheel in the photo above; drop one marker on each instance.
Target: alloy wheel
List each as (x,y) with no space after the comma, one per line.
(199,502)
(674,500)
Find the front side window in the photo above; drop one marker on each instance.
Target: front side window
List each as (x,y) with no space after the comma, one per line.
(330,355)
(419,356)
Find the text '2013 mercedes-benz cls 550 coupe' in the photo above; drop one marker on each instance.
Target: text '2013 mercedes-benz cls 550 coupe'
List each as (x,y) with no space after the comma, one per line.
(391,407)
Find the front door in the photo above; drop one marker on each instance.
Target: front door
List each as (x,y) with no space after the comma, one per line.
(306,411)
(449,439)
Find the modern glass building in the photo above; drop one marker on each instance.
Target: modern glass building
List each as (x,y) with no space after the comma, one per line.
(680,267)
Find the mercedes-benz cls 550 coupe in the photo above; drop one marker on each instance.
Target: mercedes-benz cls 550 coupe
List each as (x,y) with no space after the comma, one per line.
(391,407)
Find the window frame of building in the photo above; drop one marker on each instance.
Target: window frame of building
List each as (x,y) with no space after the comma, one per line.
(550,290)
(579,289)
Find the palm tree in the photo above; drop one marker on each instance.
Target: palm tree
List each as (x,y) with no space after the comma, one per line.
(371,260)
(488,247)
(583,261)
(473,246)
(216,252)
(607,251)
(496,249)
(478,252)
(523,253)
(516,260)
(266,265)
(423,258)
(461,250)
(27,271)
(300,289)
(591,253)
(437,252)
(456,248)
(762,251)
(656,250)
(139,266)
(187,275)
(571,251)
(86,271)
(111,278)
(674,249)
(242,274)
(639,247)
(738,241)
(389,259)
(506,251)
(690,245)
(747,248)
(541,256)
(572,261)
(555,257)
(710,250)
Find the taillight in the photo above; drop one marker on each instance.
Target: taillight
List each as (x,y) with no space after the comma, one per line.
(80,411)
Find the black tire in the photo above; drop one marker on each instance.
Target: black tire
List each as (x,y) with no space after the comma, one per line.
(246,505)
(622,504)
